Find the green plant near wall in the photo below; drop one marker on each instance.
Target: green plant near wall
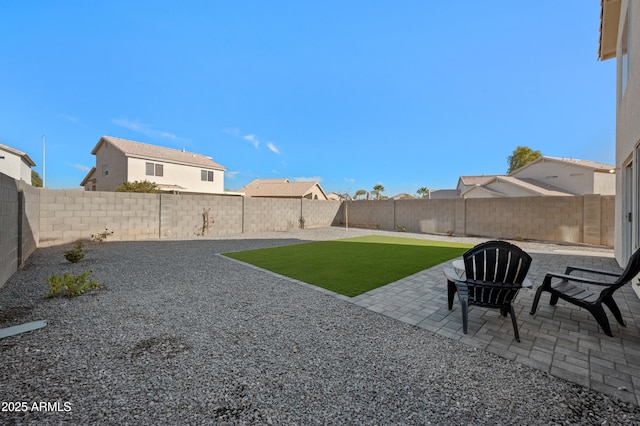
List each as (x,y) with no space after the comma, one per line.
(101,236)
(75,254)
(70,285)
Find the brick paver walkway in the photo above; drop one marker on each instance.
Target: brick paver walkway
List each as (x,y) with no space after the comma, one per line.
(564,340)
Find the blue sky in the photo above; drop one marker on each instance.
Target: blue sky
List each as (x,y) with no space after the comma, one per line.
(406,94)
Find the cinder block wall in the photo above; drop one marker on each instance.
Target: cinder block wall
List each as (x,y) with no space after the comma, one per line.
(374,214)
(52,217)
(30,234)
(539,218)
(437,216)
(320,213)
(183,216)
(575,219)
(271,214)
(8,227)
(69,215)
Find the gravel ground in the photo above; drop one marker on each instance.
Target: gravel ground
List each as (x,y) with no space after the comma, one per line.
(178,335)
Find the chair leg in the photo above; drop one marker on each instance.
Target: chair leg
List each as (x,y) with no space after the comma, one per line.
(465,314)
(546,286)
(613,307)
(451,292)
(599,314)
(536,300)
(515,323)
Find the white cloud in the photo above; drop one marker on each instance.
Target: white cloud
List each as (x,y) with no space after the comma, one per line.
(79,167)
(143,128)
(273,148)
(350,180)
(253,139)
(230,175)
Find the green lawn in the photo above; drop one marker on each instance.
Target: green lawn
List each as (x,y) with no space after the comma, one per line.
(355,265)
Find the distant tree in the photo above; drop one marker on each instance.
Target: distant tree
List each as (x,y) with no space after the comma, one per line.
(143,186)
(360,193)
(378,190)
(423,192)
(36,180)
(521,156)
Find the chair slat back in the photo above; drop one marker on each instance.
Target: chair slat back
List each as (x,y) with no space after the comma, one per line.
(632,269)
(497,261)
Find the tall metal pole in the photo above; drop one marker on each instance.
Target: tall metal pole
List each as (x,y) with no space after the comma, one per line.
(44,163)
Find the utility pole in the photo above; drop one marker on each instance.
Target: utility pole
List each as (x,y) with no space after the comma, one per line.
(44,162)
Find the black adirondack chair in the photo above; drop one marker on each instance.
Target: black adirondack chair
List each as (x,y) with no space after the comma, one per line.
(567,287)
(494,273)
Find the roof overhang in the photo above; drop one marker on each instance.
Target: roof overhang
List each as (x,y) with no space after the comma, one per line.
(609,22)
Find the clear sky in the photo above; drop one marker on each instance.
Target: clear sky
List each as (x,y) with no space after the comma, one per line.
(406,94)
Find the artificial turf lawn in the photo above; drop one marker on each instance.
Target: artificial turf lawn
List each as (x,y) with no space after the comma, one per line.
(355,265)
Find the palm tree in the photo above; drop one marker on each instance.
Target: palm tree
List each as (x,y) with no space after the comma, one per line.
(360,193)
(378,189)
(423,192)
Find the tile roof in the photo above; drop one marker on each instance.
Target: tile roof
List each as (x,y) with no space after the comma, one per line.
(591,165)
(14,151)
(477,179)
(278,188)
(533,186)
(155,152)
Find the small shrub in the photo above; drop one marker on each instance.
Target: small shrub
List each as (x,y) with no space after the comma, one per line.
(101,236)
(75,254)
(401,228)
(70,285)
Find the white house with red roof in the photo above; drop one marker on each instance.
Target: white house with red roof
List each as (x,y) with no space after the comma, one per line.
(172,170)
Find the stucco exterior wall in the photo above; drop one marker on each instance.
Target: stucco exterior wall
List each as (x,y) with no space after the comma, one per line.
(188,177)
(627,136)
(604,183)
(571,178)
(315,194)
(13,166)
(116,162)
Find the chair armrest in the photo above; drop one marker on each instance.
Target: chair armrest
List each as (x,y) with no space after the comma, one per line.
(451,275)
(570,269)
(584,280)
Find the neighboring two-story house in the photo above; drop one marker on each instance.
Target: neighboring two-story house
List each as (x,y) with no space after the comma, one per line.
(172,170)
(620,39)
(15,164)
(283,188)
(544,177)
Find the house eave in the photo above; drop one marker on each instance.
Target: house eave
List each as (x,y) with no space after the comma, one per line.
(609,23)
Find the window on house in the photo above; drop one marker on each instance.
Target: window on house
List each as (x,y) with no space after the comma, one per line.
(206,175)
(155,169)
(105,170)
